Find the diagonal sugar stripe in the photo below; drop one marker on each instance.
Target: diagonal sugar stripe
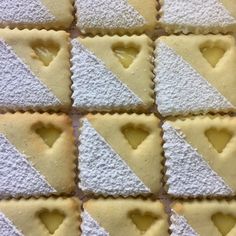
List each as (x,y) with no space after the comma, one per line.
(180,89)
(17,176)
(107,14)
(210,13)
(102,170)
(24,11)
(7,228)
(94,85)
(18,86)
(188,174)
(90,226)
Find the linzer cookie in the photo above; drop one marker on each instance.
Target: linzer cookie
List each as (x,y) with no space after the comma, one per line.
(211,16)
(36,155)
(116,75)
(120,155)
(195,74)
(47,14)
(40,217)
(124,217)
(200,156)
(116,16)
(30,62)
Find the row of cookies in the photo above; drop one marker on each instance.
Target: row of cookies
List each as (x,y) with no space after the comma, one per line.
(66,216)
(193,74)
(38,155)
(121,16)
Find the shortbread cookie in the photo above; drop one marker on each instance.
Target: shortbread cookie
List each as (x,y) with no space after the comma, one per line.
(112,73)
(195,74)
(198,16)
(116,16)
(34,70)
(200,156)
(47,14)
(37,155)
(203,218)
(120,154)
(40,217)
(121,217)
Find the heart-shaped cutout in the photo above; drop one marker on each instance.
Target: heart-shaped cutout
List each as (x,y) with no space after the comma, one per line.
(126,54)
(135,135)
(51,219)
(219,138)
(143,221)
(224,222)
(49,133)
(45,51)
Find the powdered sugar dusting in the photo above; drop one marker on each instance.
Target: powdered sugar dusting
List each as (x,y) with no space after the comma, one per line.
(7,228)
(95,87)
(189,175)
(200,13)
(107,14)
(180,89)
(180,227)
(19,88)
(90,227)
(17,176)
(102,170)
(24,11)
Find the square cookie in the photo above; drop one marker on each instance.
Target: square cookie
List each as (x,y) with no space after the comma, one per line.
(211,16)
(124,217)
(116,75)
(29,64)
(195,74)
(47,14)
(203,218)
(116,16)
(120,155)
(40,217)
(200,156)
(37,155)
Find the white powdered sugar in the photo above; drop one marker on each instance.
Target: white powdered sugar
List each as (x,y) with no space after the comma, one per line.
(90,226)
(19,88)
(102,170)
(198,13)
(17,176)
(180,227)
(95,87)
(188,174)
(24,11)
(107,14)
(180,89)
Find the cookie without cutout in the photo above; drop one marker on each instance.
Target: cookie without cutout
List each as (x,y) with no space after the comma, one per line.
(120,154)
(117,75)
(195,74)
(37,155)
(47,14)
(211,16)
(200,156)
(40,217)
(116,16)
(29,65)
(124,217)
(203,218)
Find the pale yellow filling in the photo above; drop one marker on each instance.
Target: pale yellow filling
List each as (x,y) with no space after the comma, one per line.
(218,138)
(224,223)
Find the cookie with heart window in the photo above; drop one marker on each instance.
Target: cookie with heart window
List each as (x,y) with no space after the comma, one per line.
(37,155)
(40,217)
(125,217)
(112,73)
(29,65)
